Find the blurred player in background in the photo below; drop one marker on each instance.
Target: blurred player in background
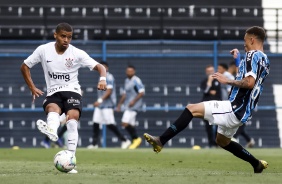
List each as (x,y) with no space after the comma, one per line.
(104,112)
(230,114)
(60,62)
(211,91)
(132,99)
(225,88)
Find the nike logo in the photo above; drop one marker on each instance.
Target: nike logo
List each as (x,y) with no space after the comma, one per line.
(48,61)
(71,140)
(75,104)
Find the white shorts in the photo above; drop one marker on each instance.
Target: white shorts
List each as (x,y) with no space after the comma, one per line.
(220,113)
(129,117)
(104,116)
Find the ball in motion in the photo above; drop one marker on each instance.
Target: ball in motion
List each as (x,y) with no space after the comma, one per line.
(64,161)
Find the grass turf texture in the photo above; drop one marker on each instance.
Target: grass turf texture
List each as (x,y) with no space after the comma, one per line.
(176,166)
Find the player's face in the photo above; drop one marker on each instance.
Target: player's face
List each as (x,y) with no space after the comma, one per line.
(209,71)
(249,40)
(220,69)
(130,72)
(63,39)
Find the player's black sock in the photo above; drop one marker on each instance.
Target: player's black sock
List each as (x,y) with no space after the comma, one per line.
(242,153)
(115,130)
(96,133)
(132,131)
(62,131)
(180,124)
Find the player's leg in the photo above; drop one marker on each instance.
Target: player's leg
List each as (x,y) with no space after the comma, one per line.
(97,120)
(72,123)
(210,134)
(128,122)
(191,110)
(108,114)
(238,150)
(52,106)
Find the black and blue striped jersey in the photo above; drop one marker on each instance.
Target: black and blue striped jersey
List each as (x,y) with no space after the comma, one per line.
(243,101)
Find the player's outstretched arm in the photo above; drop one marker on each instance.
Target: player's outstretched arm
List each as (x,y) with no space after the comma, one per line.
(247,82)
(27,77)
(102,84)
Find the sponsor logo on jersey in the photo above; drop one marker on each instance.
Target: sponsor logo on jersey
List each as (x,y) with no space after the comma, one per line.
(48,61)
(59,76)
(69,63)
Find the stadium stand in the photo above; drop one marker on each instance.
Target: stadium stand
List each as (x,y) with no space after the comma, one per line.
(125,22)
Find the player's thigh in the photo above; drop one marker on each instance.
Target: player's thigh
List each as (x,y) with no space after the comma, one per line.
(227,132)
(129,117)
(108,115)
(72,104)
(221,113)
(98,116)
(53,103)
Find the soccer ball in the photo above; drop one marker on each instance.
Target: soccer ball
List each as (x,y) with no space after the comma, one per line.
(64,161)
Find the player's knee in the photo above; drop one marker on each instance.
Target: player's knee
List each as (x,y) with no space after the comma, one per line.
(124,124)
(197,110)
(221,141)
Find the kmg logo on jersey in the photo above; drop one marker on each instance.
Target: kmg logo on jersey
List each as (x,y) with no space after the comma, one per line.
(59,76)
(69,63)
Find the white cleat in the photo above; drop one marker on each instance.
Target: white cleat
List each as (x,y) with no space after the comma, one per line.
(73,171)
(45,129)
(125,144)
(91,146)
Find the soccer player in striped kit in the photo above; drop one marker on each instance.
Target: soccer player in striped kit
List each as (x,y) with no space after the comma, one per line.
(237,110)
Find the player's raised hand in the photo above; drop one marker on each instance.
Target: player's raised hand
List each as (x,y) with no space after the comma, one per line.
(235,53)
(36,93)
(102,85)
(220,77)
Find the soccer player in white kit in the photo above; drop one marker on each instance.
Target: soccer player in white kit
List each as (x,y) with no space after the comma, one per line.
(60,62)
(237,110)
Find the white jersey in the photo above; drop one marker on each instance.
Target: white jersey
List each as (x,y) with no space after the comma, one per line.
(60,71)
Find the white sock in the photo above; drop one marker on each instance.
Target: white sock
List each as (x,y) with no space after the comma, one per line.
(53,121)
(72,135)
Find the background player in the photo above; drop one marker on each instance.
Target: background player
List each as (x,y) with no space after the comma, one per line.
(132,99)
(211,89)
(60,62)
(104,112)
(231,114)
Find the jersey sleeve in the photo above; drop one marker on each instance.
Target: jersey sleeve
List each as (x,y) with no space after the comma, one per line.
(110,81)
(139,85)
(35,57)
(86,60)
(251,64)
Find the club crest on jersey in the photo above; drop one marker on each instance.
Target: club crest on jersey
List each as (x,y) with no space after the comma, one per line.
(69,63)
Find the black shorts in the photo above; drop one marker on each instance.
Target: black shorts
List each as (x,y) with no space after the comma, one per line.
(66,100)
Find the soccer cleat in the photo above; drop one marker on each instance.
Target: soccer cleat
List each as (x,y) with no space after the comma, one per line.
(73,171)
(135,143)
(91,146)
(251,143)
(45,129)
(154,141)
(262,165)
(125,144)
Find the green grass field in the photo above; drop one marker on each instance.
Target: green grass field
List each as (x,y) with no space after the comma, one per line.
(35,166)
